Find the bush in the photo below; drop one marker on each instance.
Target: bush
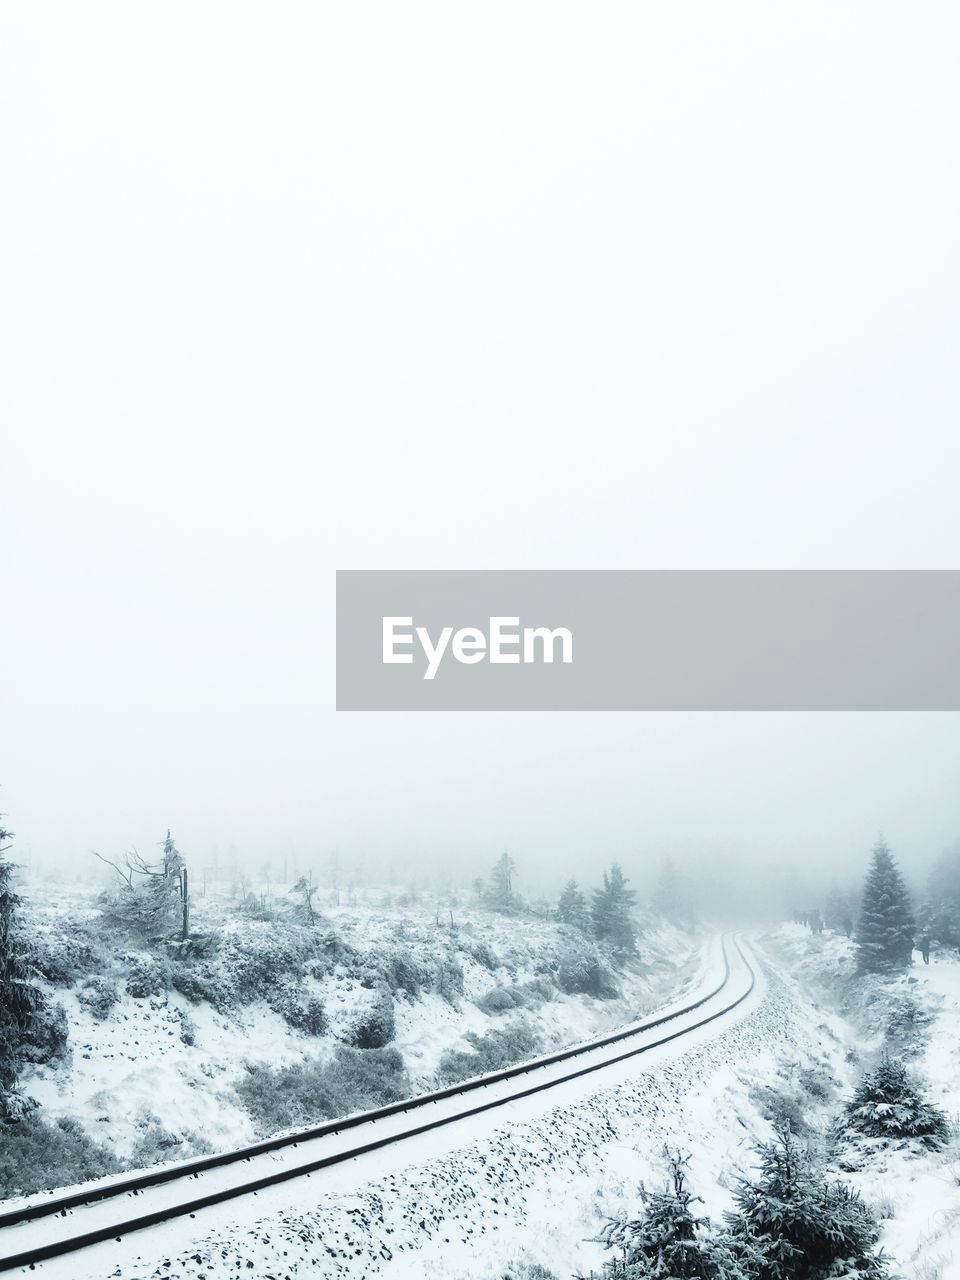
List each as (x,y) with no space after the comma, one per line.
(888,1104)
(401,972)
(36,1155)
(157,1145)
(499,1000)
(66,957)
(46,1039)
(377,1027)
(98,995)
(308,1092)
(447,978)
(308,1016)
(148,976)
(583,973)
(188,1028)
(491,1052)
(483,955)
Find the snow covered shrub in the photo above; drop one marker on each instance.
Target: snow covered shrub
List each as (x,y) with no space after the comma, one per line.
(376,1027)
(401,972)
(308,1092)
(36,1155)
(447,978)
(68,955)
(792,1223)
(668,1241)
(148,976)
(499,1000)
(188,1028)
(582,972)
(782,1107)
(98,995)
(157,1145)
(499,1048)
(888,1104)
(483,954)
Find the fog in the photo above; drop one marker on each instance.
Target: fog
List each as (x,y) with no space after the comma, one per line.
(293,290)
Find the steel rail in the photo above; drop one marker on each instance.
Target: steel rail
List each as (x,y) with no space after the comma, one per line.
(193,1169)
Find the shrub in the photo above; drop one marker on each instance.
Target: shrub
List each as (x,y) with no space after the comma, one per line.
(401,972)
(484,955)
(447,978)
(67,956)
(377,1027)
(148,976)
(308,1016)
(98,995)
(499,1048)
(499,1000)
(37,1155)
(307,1092)
(888,1104)
(583,973)
(188,1028)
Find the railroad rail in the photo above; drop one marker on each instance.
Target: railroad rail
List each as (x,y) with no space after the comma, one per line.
(531,1077)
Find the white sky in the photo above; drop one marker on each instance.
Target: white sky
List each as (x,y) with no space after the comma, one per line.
(290,288)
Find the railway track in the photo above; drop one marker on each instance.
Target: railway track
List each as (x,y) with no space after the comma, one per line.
(37,1230)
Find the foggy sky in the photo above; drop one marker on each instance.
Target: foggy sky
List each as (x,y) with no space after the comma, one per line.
(295,288)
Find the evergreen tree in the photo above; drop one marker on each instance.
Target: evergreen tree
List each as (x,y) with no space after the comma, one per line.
(572,907)
(500,895)
(148,897)
(672,896)
(669,1242)
(887,1104)
(612,911)
(884,934)
(21,1002)
(792,1223)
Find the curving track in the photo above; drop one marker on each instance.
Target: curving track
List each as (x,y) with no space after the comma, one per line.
(37,1230)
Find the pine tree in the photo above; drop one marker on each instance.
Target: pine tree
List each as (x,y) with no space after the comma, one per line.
(21,1002)
(672,895)
(149,897)
(884,935)
(791,1222)
(668,1242)
(887,1104)
(572,907)
(612,912)
(500,895)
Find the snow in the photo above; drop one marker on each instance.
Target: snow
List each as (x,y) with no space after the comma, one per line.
(131,1077)
(916,1193)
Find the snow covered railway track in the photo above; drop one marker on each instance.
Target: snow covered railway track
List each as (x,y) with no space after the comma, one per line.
(36,1231)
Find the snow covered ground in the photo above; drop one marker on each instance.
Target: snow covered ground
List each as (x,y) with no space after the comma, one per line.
(154,1077)
(536,1189)
(916,1193)
(537,1185)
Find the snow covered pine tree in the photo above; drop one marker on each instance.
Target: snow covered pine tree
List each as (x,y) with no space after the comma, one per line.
(884,936)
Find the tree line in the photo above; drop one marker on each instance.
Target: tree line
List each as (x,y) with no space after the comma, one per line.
(883,921)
